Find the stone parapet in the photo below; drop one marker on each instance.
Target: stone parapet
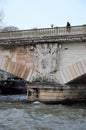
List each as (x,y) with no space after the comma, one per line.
(56,31)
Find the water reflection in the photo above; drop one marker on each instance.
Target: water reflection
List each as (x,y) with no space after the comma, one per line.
(19,115)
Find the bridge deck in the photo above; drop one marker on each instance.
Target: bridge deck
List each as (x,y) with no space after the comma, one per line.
(58,34)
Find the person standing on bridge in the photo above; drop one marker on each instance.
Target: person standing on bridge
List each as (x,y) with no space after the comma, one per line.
(68,26)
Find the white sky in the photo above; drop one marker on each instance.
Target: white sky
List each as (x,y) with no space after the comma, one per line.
(26,14)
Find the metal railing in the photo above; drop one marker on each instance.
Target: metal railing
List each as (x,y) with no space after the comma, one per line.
(56,31)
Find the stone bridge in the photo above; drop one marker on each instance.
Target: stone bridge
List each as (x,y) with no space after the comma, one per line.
(49,54)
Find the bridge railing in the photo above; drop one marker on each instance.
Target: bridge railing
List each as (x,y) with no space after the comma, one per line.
(56,31)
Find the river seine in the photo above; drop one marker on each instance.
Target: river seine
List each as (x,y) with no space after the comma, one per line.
(16,114)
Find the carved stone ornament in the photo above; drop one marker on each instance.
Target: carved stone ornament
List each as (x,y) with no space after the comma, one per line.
(46,60)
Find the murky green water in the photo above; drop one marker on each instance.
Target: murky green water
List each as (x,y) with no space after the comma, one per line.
(16,114)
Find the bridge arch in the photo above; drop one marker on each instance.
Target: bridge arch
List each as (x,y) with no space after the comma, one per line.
(23,71)
(64,76)
(71,72)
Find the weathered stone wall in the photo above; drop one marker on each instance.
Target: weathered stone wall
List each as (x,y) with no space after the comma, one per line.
(71,93)
(21,55)
(70,53)
(42,58)
(45,58)
(18,54)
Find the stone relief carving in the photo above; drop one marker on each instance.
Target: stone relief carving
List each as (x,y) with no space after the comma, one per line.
(45,60)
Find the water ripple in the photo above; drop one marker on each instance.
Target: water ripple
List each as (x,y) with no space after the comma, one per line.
(24,116)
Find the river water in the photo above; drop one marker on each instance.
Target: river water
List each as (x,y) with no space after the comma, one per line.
(16,114)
